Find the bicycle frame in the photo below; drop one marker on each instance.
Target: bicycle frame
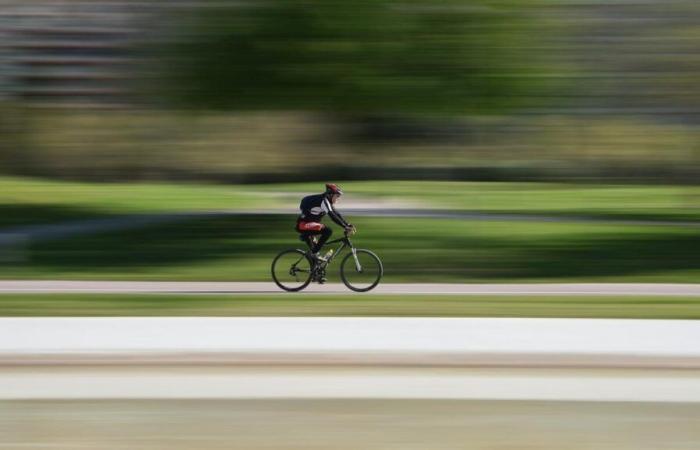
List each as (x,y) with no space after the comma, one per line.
(345,242)
(318,266)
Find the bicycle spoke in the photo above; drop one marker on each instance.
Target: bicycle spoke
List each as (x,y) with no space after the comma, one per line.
(361,270)
(291,270)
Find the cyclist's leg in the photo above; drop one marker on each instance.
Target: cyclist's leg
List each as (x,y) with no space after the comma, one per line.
(310,229)
(308,238)
(325,235)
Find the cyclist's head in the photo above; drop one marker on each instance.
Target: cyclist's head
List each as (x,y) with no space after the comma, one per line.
(333,190)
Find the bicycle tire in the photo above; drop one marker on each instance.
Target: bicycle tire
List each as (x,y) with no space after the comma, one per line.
(302,257)
(345,272)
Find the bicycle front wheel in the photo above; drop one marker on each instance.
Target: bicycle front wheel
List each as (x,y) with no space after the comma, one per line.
(291,270)
(361,270)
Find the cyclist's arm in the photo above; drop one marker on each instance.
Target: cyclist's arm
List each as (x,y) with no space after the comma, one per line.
(335,215)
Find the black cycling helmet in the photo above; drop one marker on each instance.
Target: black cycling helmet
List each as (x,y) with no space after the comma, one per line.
(333,189)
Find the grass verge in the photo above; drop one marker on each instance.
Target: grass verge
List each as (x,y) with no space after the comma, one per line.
(241,248)
(28,201)
(626,307)
(25,201)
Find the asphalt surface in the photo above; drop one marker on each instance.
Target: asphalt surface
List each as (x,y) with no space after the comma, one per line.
(228,288)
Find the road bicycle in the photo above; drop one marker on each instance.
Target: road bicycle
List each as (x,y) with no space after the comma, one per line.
(360,269)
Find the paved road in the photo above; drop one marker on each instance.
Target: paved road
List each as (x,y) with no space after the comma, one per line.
(204,287)
(312,382)
(346,425)
(363,341)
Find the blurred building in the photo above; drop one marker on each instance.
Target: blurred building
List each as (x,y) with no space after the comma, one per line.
(629,57)
(72,52)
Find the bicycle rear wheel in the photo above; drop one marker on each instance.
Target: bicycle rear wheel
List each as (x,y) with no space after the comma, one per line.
(291,270)
(361,274)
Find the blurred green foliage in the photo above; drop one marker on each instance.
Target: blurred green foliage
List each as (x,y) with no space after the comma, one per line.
(256,147)
(280,90)
(365,57)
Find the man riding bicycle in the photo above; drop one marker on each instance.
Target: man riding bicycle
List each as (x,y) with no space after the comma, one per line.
(313,208)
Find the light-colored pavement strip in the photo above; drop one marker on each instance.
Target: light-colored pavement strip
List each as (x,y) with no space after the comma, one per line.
(231,382)
(321,337)
(344,424)
(205,287)
(404,358)
(351,334)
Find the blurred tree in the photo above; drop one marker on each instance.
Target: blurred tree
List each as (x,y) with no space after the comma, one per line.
(359,58)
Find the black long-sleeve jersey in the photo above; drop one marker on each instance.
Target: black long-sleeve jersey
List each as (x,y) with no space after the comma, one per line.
(314,207)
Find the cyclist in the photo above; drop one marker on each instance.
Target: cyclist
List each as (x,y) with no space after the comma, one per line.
(313,208)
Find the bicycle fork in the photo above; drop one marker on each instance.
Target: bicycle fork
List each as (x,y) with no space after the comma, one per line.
(358,267)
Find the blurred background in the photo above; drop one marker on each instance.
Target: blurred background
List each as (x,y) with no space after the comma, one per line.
(234,91)
(569,128)
(491,141)
(288,91)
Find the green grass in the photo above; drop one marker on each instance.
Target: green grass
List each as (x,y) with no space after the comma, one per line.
(31,201)
(413,250)
(26,201)
(16,305)
(240,248)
